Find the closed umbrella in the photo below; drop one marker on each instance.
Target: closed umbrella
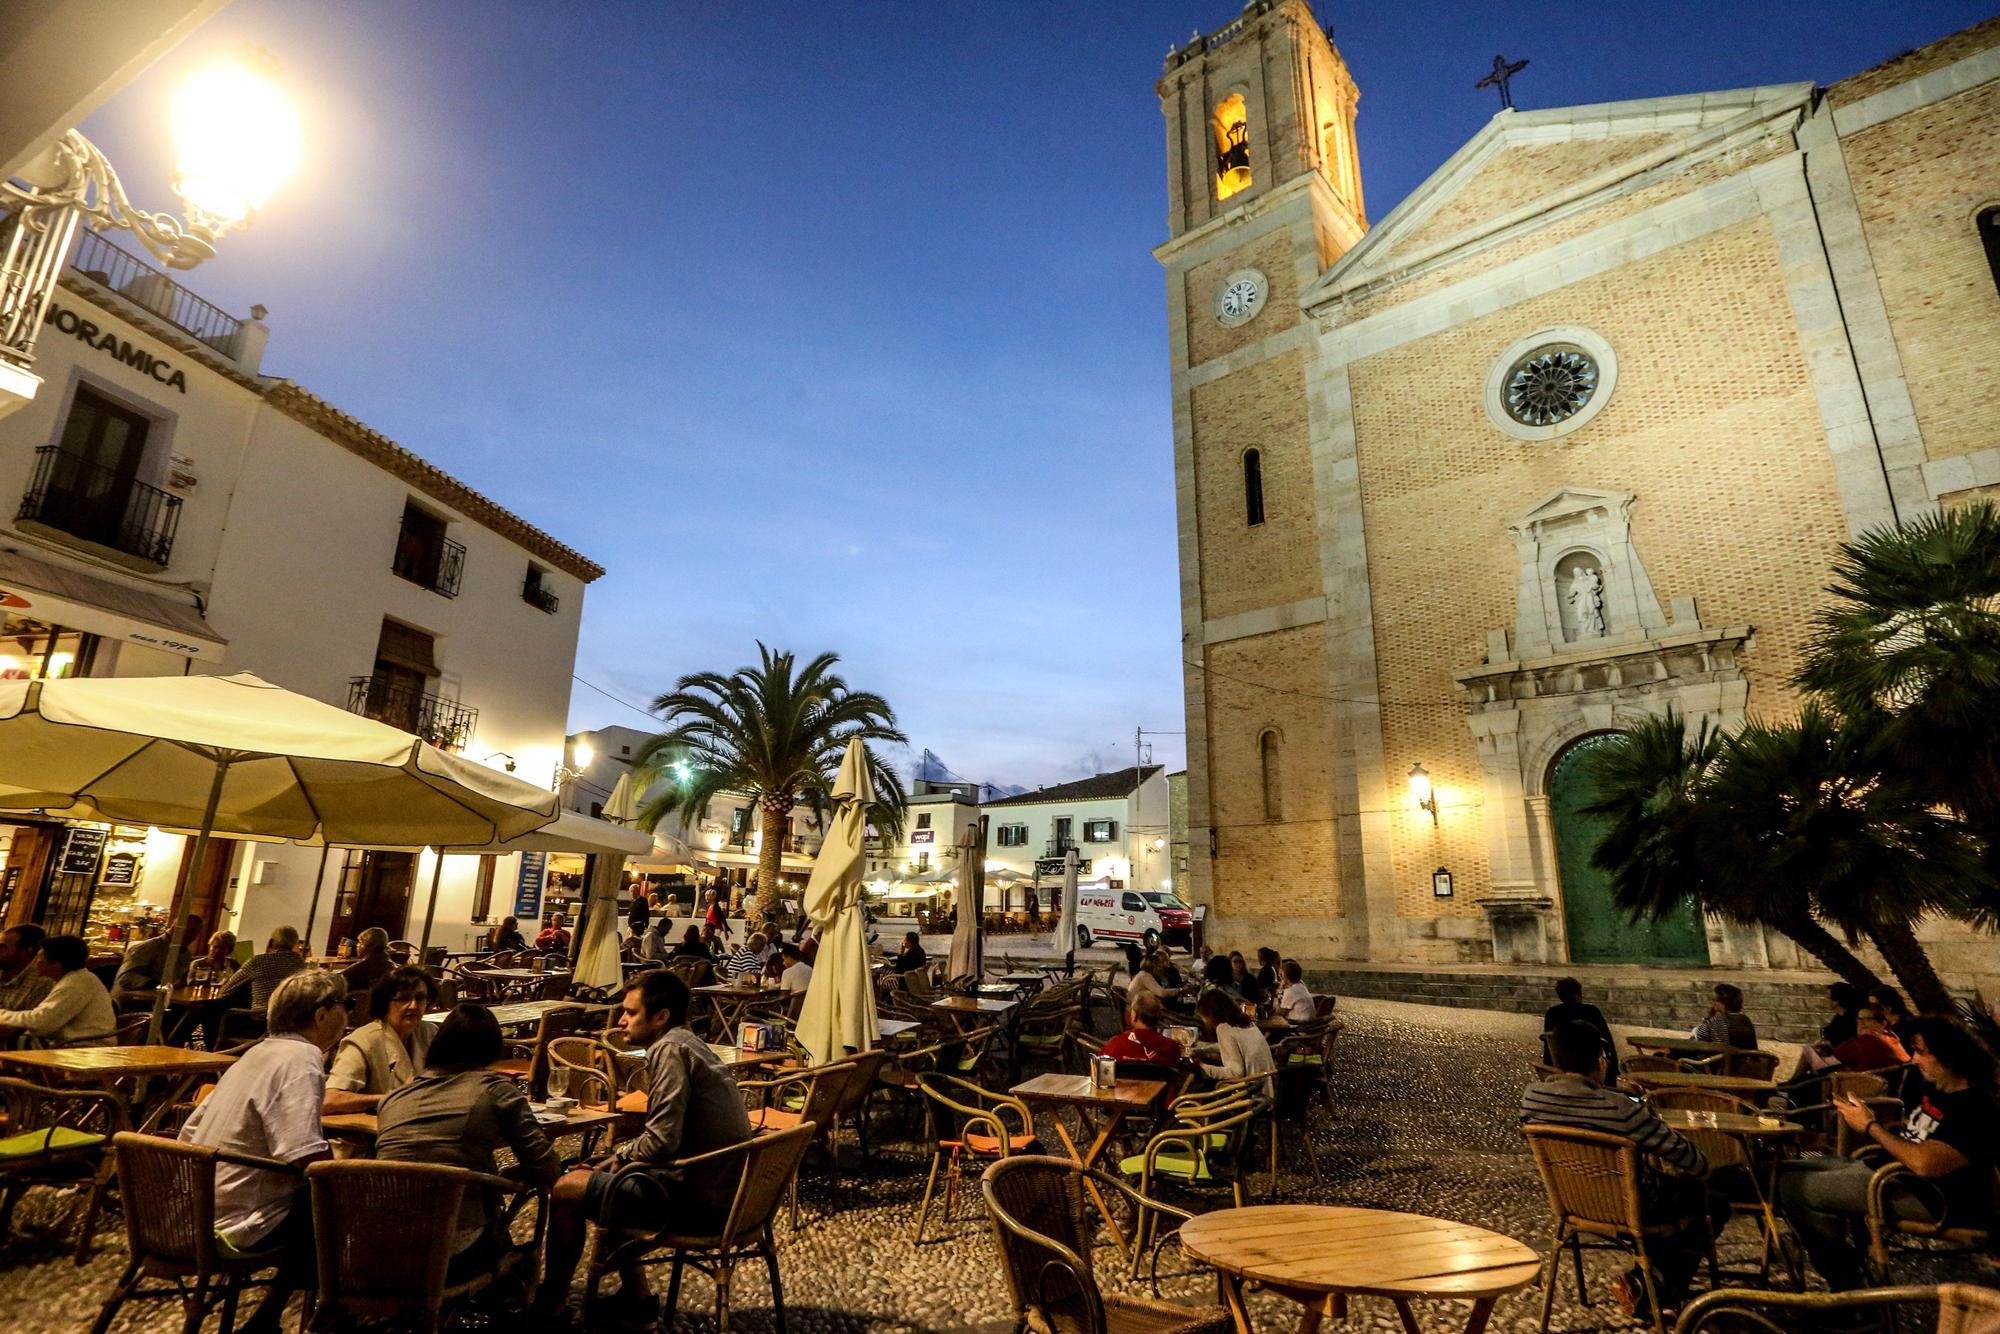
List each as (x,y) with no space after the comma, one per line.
(237,755)
(1065,937)
(597,963)
(963,961)
(839,1012)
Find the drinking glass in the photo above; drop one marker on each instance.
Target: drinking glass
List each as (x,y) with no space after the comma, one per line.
(558,1080)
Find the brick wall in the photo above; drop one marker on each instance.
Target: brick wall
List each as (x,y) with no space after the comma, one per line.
(1919,181)
(1521,174)
(1273,254)
(1712,425)
(1276,562)
(1912,64)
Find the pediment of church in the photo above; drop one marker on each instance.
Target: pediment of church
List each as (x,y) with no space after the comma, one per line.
(1530,169)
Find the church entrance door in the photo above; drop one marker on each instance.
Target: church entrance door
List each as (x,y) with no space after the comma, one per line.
(1599,931)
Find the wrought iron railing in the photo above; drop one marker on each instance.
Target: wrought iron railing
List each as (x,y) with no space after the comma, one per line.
(99,504)
(445,723)
(436,564)
(537,595)
(107,264)
(1056,847)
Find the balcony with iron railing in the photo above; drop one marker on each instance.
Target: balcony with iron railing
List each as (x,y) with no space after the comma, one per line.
(539,596)
(435,564)
(445,723)
(107,264)
(1056,847)
(72,495)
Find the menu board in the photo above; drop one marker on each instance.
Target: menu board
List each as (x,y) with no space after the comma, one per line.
(528,889)
(81,852)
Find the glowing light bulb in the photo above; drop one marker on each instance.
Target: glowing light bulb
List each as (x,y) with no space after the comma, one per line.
(238,140)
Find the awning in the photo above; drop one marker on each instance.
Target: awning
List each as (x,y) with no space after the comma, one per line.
(788,862)
(79,601)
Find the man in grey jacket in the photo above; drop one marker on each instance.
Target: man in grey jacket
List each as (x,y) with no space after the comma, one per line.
(692,1107)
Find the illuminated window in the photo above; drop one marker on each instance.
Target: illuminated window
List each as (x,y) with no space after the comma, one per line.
(1253,487)
(1232,146)
(1267,750)
(32,650)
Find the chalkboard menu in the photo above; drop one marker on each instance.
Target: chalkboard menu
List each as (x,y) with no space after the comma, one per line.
(120,868)
(528,889)
(81,852)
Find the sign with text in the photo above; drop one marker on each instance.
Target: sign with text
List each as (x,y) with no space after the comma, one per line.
(528,889)
(80,854)
(120,868)
(1045,866)
(923,836)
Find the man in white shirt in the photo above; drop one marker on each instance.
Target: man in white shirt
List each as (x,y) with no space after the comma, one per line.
(1295,1002)
(77,1010)
(798,973)
(267,1106)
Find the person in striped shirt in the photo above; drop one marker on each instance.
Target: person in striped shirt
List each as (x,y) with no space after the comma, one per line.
(745,958)
(1672,1173)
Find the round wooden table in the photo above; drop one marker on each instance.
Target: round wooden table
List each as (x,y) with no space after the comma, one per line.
(1320,1255)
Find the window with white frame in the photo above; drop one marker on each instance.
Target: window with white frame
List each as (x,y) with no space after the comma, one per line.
(1100,831)
(1010,835)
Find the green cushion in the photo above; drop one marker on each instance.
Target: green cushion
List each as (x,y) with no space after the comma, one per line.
(1167,1164)
(30,1143)
(1307,1058)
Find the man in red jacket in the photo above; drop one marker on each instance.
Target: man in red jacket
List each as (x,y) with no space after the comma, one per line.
(1142,1039)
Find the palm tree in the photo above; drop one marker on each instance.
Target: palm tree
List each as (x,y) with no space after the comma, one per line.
(775,731)
(1910,652)
(1670,842)
(1800,813)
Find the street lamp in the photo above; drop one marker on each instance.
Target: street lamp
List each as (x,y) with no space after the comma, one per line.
(1421,789)
(581,755)
(237,139)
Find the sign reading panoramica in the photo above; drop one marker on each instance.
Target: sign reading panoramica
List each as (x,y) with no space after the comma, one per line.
(118,349)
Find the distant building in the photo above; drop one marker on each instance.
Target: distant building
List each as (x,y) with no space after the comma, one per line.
(1117,822)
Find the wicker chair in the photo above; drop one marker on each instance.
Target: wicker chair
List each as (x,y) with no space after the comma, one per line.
(529,1060)
(1204,1151)
(969,1120)
(769,1163)
(170,1225)
(56,1137)
(384,1234)
(1043,1224)
(796,1098)
(1644,1062)
(1750,1064)
(1884,1230)
(593,1072)
(1046,1032)
(1592,1180)
(1725,1150)
(1962,1308)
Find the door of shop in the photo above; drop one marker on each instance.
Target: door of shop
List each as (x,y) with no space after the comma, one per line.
(211,887)
(374,891)
(1600,931)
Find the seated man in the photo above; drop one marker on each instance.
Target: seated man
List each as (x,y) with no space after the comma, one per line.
(1950,1141)
(268,1105)
(1577,1097)
(1872,1047)
(380,1057)
(1142,1039)
(77,1010)
(1726,1024)
(1571,1006)
(257,980)
(798,974)
(144,963)
(911,957)
(743,959)
(692,1107)
(458,1112)
(554,938)
(22,984)
(371,965)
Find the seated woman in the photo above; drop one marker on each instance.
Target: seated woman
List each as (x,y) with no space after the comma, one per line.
(372,965)
(1216,976)
(911,957)
(691,946)
(380,1057)
(1241,978)
(458,1112)
(1241,1051)
(507,936)
(1295,1001)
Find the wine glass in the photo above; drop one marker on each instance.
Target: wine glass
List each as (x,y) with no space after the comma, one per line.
(558,1080)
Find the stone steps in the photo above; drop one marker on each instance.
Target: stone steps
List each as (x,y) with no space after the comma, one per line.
(1784,1011)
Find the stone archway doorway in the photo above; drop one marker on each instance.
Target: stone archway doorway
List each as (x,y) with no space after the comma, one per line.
(1598,930)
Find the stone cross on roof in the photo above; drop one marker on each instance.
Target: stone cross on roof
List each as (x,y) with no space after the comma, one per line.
(1500,77)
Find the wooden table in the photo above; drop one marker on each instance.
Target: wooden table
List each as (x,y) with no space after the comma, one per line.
(895,1028)
(635,1102)
(1678,1047)
(1320,1255)
(728,1003)
(591,1123)
(974,1008)
(1757,1133)
(520,1014)
(108,1067)
(1108,1106)
(1694,1079)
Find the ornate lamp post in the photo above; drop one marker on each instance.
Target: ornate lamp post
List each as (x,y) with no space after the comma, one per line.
(237,140)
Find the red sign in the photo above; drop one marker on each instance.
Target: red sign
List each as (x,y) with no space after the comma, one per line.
(14,600)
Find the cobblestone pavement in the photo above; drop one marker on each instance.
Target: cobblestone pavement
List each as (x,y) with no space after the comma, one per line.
(1424,1123)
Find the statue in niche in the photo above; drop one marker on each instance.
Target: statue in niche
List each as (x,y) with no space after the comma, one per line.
(1586,601)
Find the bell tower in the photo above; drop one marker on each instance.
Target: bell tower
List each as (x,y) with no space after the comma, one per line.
(1263,195)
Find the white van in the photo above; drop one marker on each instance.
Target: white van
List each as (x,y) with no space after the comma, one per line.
(1116,915)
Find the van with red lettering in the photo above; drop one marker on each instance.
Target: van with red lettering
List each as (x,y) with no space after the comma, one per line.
(1116,916)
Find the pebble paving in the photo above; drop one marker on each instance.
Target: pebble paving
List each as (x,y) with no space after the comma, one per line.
(1424,1123)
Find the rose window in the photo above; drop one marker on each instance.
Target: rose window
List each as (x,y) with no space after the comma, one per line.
(1550,385)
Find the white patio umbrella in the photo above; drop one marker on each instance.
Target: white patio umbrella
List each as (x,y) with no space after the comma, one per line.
(1065,937)
(839,1011)
(963,961)
(239,756)
(597,963)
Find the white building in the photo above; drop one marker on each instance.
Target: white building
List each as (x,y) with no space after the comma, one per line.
(169,508)
(1117,822)
(936,816)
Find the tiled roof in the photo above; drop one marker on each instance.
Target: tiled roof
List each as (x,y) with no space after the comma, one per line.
(1117,783)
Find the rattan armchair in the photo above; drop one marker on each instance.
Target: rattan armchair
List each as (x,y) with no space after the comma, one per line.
(529,1059)
(769,1162)
(968,1120)
(1724,1150)
(799,1097)
(1043,1223)
(1203,1151)
(593,1071)
(1884,1229)
(1962,1308)
(169,1190)
(56,1137)
(384,1234)
(1592,1180)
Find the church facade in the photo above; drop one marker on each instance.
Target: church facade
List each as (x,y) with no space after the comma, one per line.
(1567,439)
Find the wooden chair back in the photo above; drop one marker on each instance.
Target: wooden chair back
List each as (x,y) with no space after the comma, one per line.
(1592,1179)
(384,1234)
(1647,1061)
(1751,1064)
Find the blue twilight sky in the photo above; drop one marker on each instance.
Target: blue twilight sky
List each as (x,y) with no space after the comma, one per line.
(835,324)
